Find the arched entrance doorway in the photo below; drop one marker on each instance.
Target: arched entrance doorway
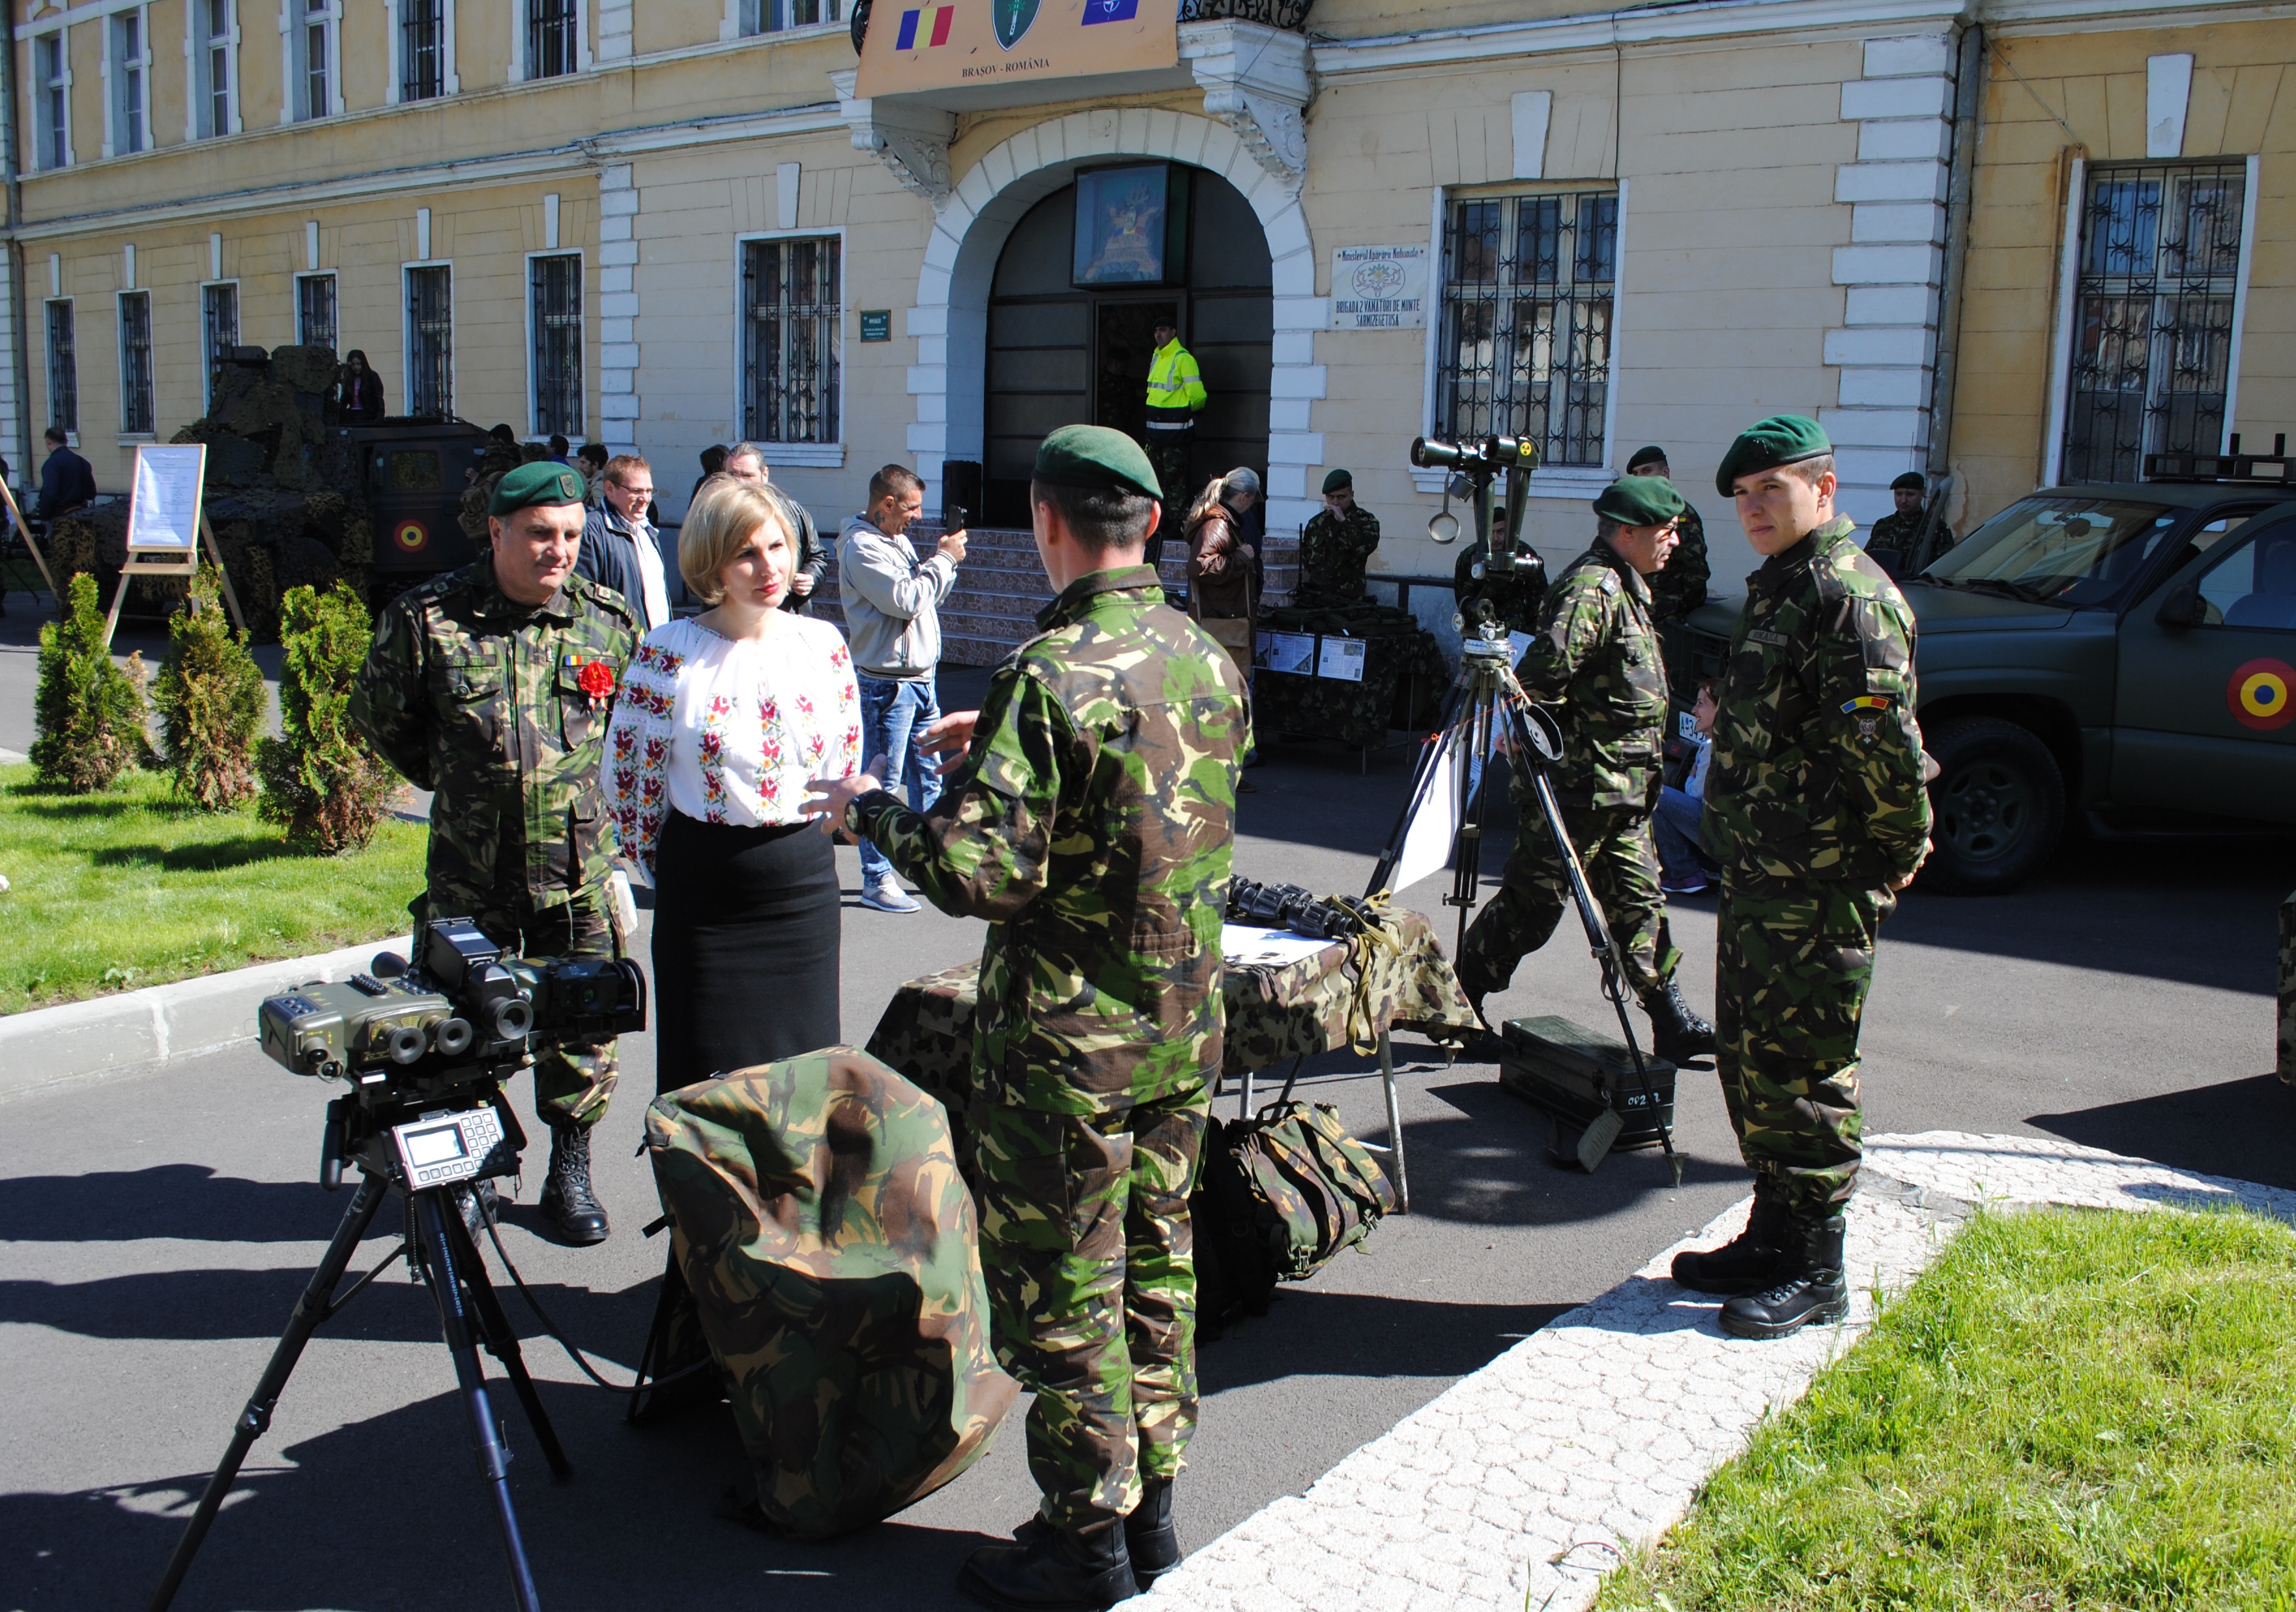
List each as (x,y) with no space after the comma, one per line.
(1060,354)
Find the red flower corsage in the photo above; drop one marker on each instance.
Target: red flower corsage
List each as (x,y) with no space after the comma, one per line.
(596,679)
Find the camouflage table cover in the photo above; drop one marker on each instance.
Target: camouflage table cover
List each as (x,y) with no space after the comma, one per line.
(832,1249)
(1350,993)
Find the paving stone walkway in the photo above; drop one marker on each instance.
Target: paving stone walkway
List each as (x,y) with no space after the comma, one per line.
(1518,1487)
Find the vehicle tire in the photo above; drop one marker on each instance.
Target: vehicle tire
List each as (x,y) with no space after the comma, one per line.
(1997,806)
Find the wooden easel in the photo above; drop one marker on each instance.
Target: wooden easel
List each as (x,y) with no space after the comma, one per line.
(38,559)
(161,542)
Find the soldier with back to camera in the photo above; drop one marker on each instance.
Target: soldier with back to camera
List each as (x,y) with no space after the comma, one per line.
(1816,809)
(1092,823)
(490,685)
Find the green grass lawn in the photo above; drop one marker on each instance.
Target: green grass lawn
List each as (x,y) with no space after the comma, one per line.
(2070,1409)
(131,887)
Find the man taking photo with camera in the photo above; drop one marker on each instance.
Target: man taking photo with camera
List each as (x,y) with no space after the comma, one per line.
(491,685)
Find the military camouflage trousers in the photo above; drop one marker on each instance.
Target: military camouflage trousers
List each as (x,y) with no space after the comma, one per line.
(573,1079)
(1614,847)
(1090,1261)
(1795,958)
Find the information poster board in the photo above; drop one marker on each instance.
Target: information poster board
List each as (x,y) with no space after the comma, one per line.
(1287,652)
(163,509)
(914,45)
(1379,287)
(1341,660)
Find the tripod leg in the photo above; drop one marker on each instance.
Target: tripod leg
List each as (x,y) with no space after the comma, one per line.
(310,1310)
(1394,1123)
(494,1331)
(427,1210)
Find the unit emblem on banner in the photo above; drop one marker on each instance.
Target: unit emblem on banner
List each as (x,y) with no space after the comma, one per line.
(1013,18)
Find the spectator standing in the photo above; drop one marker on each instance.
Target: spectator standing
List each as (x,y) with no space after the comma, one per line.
(590,459)
(1684,867)
(723,719)
(620,548)
(1225,574)
(361,391)
(1176,397)
(559,448)
(746,462)
(892,610)
(713,464)
(66,483)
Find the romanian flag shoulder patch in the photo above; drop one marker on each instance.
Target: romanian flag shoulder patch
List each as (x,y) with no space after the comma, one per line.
(1866,702)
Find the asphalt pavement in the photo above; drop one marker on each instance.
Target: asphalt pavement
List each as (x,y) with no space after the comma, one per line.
(155,1231)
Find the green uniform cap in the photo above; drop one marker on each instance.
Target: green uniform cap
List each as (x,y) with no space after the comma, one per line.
(1337,481)
(1096,456)
(1913,479)
(541,484)
(1644,456)
(1780,439)
(1640,501)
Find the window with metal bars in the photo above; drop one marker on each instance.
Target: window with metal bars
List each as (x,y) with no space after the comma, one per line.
(773,16)
(791,328)
(554,311)
(55,102)
(550,37)
(218,328)
(64,368)
(213,62)
(315,310)
(1524,347)
(421,49)
(135,411)
(431,342)
(2153,315)
(128,62)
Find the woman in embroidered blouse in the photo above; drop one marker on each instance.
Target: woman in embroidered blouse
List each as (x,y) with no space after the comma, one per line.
(721,719)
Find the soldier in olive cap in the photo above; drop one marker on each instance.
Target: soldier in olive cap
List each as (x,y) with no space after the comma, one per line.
(1816,809)
(490,685)
(1899,533)
(1597,656)
(1091,822)
(1336,545)
(1681,587)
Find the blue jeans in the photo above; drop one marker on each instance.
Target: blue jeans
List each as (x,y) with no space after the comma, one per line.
(895,713)
(1681,856)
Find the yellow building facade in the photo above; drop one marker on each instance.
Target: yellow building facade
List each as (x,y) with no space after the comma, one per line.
(670,225)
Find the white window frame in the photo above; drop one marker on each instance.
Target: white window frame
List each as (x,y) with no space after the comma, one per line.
(518,29)
(319,273)
(49,363)
(207,353)
(151,364)
(1547,481)
(407,332)
(533,395)
(42,87)
(809,456)
(294,17)
(450,81)
(734,26)
(115,104)
(198,68)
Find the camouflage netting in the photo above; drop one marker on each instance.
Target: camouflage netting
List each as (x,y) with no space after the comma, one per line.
(831,1246)
(500,459)
(287,501)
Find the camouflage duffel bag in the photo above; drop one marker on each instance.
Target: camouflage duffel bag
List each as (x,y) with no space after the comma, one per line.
(1279,1196)
(834,1259)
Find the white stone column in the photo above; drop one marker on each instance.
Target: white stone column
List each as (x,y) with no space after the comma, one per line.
(619,403)
(617,20)
(1886,348)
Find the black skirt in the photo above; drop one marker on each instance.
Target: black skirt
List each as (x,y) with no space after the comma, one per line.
(745,938)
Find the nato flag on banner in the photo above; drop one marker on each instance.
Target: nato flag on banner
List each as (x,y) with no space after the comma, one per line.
(1110,11)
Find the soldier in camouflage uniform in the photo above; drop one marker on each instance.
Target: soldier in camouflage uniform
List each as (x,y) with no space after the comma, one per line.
(491,685)
(1681,587)
(1513,598)
(1336,545)
(1091,822)
(1598,656)
(1900,532)
(1815,809)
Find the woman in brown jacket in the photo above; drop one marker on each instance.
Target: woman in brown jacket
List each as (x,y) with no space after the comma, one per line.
(1224,574)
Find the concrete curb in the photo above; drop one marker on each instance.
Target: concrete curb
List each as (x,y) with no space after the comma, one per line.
(135,1031)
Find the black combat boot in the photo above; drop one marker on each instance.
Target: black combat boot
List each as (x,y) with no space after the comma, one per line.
(568,1204)
(1149,1536)
(1749,1262)
(1052,1570)
(1810,1286)
(1677,1034)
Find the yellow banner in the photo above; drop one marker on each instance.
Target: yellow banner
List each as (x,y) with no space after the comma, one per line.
(928,44)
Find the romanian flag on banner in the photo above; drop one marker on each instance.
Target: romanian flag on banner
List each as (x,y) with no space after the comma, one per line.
(943,18)
(1110,11)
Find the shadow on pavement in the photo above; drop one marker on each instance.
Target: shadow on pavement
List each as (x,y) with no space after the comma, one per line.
(188,1201)
(1309,1332)
(2236,1128)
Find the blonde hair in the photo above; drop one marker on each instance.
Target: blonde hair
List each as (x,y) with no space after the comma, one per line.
(718,525)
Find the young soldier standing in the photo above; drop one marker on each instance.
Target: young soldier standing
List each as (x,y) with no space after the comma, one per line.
(1092,823)
(1815,809)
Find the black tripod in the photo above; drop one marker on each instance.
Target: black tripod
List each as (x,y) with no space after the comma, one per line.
(1487,709)
(440,1250)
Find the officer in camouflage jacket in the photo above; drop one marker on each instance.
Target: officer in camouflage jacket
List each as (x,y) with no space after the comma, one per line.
(1681,587)
(491,685)
(1598,656)
(1817,810)
(1338,543)
(1092,823)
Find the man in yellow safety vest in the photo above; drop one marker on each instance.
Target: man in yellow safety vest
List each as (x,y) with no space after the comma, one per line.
(1176,396)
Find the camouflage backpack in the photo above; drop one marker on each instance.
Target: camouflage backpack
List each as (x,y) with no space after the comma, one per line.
(1279,1196)
(834,1261)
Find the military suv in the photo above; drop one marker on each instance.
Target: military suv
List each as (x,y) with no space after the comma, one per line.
(2129,648)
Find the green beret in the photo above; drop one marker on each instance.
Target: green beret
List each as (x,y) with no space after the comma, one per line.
(1912,480)
(539,485)
(1780,439)
(1640,501)
(1337,481)
(1096,456)
(1644,456)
